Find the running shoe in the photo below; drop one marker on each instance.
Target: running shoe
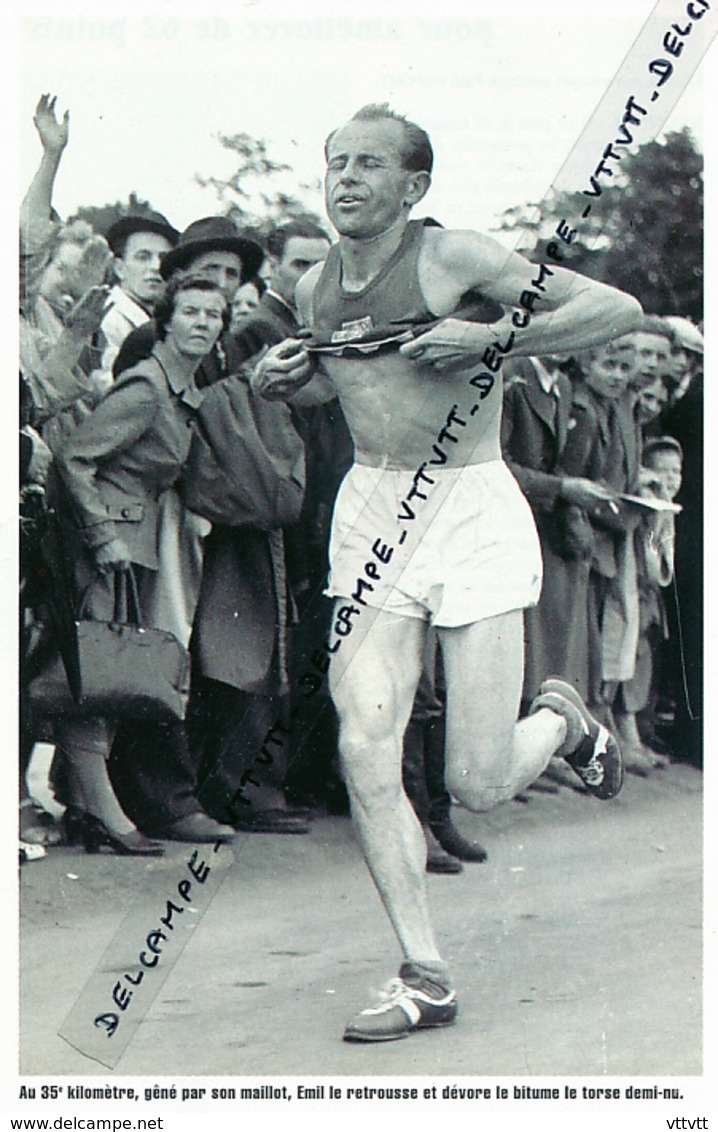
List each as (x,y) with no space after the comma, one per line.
(590,749)
(413,1001)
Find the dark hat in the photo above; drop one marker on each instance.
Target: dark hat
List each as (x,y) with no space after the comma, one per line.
(140,222)
(213,233)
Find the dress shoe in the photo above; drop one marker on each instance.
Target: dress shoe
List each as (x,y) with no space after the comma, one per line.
(270,821)
(96,837)
(637,762)
(457,846)
(659,759)
(293,811)
(196,827)
(72,824)
(31,852)
(437,859)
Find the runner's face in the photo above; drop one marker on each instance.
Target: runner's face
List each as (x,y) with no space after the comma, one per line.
(366,186)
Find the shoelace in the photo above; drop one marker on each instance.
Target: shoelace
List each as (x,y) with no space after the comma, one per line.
(394,990)
(399,994)
(592,773)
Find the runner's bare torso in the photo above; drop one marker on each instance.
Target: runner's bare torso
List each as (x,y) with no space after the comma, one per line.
(396,403)
(396,406)
(396,409)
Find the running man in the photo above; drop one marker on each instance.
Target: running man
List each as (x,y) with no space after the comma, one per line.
(430,518)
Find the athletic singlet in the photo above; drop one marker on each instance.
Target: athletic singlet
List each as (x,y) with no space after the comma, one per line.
(394,295)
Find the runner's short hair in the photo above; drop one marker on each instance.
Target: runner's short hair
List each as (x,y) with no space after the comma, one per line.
(418,154)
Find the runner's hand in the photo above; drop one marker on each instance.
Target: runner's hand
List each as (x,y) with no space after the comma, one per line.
(451,343)
(284,369)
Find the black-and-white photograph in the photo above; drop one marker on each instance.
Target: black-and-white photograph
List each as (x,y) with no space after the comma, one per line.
(360,605)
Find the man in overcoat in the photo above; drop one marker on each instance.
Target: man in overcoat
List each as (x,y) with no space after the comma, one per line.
(535,426)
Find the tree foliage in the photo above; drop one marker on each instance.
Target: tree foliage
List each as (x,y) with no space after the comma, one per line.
(255,196)
(644,233)
(102,217)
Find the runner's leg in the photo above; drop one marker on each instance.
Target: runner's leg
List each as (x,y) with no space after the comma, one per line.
(489,756)
(373,679)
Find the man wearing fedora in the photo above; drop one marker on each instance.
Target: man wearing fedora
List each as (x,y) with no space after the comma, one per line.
(214,249)
(138,243)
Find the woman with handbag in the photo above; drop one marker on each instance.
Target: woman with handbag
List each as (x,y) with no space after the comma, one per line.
(112,472)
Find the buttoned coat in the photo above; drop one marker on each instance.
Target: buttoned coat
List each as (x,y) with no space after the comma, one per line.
(604,446)
(242,600)
(535,427)
(118,462)
(534,431)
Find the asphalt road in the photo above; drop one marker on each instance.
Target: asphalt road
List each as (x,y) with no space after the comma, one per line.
(576,948)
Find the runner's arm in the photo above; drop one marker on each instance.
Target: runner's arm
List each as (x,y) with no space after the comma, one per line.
(552,313)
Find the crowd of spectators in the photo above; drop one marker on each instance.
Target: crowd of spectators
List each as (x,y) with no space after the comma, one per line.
(137,343)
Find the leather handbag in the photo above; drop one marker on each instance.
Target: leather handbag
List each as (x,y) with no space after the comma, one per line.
(127,670)
(116,668)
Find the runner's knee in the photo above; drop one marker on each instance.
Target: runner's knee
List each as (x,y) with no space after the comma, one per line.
(481,787)
(479,763)
(476,797)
